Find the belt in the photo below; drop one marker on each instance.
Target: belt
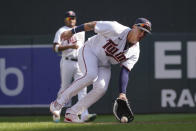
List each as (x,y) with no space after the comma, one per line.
(72,59)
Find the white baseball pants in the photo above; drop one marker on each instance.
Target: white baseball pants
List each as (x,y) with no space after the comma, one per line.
(93,74)
(70,70)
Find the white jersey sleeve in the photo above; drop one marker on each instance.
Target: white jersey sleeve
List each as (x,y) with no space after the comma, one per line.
(80,37)
(57,38)
(109,28)
(133,56)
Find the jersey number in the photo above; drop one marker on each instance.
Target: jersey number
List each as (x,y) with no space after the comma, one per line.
(110,50)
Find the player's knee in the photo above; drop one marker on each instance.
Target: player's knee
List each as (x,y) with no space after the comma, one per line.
(101,86)
(91,77)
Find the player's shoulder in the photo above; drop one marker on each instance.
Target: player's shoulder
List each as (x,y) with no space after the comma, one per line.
(116,23)
(108,22)
(63,28)
(120,27)
(113,26)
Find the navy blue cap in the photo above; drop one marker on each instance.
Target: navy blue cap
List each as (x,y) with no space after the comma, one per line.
(70,14)
(144,24)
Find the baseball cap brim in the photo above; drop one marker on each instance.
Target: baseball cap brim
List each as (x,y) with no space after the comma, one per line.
(144,29)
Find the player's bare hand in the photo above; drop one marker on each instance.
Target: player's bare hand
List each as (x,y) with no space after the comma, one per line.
(122,96)
(74,46)
(66,35)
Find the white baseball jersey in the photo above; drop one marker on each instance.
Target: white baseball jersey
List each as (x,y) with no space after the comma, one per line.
(78,38)
(109,44)
(99,52)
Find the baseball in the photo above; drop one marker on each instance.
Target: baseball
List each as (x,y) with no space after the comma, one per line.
(124,119)
(56,119)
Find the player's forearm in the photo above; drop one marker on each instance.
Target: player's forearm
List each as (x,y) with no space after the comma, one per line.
(62,48)
(89,26)
(57,47)
(84,27)
(123,80)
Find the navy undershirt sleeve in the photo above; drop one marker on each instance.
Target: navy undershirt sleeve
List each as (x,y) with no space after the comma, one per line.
(123,80)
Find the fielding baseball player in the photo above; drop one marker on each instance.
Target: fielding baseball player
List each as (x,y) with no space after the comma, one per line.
(113,44)
(69,62)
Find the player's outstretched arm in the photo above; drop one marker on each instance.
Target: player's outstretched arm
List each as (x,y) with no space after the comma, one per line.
(84,27)
(123,82)
(89,26)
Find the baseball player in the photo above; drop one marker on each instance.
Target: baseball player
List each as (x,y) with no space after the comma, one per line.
(113,44)
(69,62)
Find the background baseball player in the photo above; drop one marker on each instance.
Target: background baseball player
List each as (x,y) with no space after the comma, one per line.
(69,62)
(113,44)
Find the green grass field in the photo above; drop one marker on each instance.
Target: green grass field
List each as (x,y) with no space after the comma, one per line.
(157,122)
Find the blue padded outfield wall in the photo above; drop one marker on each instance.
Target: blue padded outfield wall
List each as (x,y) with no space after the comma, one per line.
(29,75)
(164,79)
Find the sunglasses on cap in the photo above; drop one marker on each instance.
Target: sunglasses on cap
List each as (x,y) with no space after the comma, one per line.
(144,26)
(70,18)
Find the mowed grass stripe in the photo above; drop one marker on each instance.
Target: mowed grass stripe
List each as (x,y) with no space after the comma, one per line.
(161,122)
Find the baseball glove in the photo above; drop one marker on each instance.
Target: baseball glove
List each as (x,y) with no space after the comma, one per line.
(122,108)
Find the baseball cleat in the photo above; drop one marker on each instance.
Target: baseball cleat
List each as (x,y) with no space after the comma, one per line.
(72,118)
(55,109)
(90,117)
